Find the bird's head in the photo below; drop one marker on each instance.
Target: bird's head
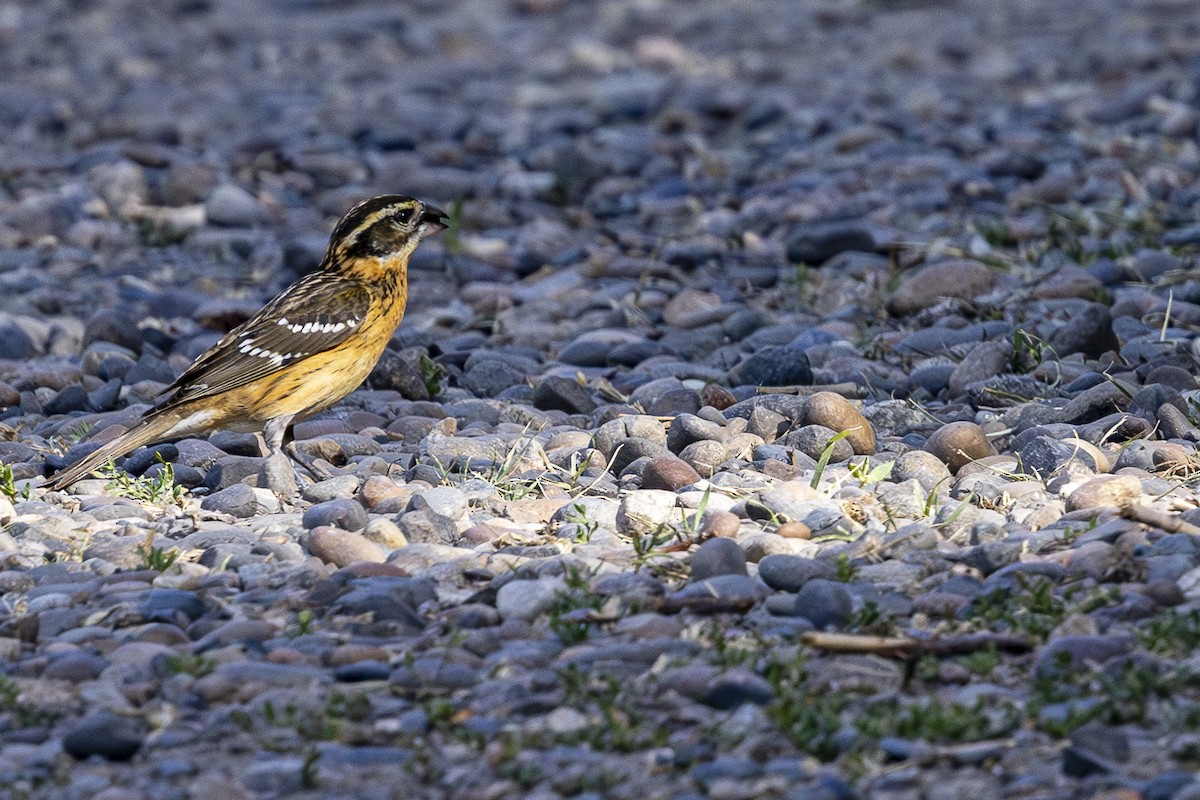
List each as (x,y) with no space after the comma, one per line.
(382,232)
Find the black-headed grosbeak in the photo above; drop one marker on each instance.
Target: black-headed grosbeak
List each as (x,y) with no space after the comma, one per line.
(305,350)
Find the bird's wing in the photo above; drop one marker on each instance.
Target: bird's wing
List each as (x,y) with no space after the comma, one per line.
(315,314)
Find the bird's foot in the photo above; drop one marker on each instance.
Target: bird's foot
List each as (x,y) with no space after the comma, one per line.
(309,463)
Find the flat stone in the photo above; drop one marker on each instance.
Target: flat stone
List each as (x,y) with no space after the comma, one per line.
(112,737)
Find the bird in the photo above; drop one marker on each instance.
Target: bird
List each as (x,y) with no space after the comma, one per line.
(303,351)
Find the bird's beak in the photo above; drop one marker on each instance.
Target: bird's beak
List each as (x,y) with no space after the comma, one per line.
(433,219)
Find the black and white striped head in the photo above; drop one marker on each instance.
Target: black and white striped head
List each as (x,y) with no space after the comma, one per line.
(383,228)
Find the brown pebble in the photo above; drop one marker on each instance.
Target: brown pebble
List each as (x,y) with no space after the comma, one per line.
(480,534)
(926,286)
(687,304)
(704,456)
(9,396)
(352,653)
(720,523)
(287,655)
(1106,491)
(716,396)
(378,488)
(370,569)
(943,605)
(1165,593)
(839,414)
(668,472)
(385,533)
(1171,457)
(779,470)
(794,530)
(958,444)
(342,548)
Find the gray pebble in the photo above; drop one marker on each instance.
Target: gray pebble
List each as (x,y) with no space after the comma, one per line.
(825,603)
(338,513)
(717,556)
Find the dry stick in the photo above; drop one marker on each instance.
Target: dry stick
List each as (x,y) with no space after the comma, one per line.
(852,391)
(1158,519)
(703,604)
(904,646)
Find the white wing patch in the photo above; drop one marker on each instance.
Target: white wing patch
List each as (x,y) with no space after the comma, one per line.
(249,348)
(318,327)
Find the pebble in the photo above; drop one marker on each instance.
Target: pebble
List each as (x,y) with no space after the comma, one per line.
(787,573)
(1113,491)
(774,366)
(823,602)
(813,440)
(341,547)
(112,737)
(922,288)
(836,413)
(668,473)
(338,513)
(645,511)
(717,557)
(241,500)
(527,600)
(959,443)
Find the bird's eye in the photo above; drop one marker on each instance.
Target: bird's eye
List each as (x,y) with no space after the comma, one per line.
(403,216)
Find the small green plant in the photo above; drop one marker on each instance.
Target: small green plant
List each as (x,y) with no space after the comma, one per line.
(1028,351)
(160,489)
(869,619)
(996,232)
(1132,692)
(304,621)
(193,664)
(160,233)
(25,714)
(733,648)
(576,596)
(811,720)
(158,559)
(934,720)
(312,723)
(505,473)
(948,522)
(452,237)
(982,662)
(823,461)
(648,545)
(1033,607)
(690,526)
(846,570)
(8,485)
(585,527)
(1174,633)
(432,375)
(308,770)
(868,476)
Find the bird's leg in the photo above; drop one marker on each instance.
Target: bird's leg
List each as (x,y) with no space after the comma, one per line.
(273,433)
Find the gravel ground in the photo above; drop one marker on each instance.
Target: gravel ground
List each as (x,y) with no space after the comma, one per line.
(802,406)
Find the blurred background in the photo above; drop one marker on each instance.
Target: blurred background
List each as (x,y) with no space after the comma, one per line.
(196,151)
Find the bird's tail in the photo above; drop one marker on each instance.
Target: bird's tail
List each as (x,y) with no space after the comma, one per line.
(148,430)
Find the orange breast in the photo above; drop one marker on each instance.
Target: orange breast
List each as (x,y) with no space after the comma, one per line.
(320,380)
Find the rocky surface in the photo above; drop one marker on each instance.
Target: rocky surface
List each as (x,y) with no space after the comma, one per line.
(803,404)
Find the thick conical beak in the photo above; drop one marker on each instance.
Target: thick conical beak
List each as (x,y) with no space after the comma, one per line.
(433,219)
